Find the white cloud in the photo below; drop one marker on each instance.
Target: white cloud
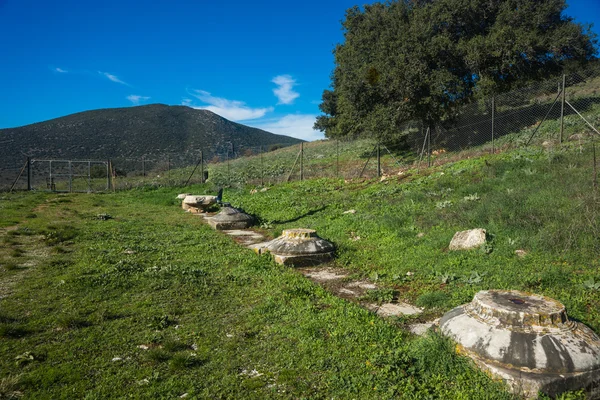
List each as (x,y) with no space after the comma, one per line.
(299,126)
(113,78)
(135,99)
(230,109)
(284,91)
(62,71)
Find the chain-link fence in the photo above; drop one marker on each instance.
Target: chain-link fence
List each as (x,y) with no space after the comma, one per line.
(559,111)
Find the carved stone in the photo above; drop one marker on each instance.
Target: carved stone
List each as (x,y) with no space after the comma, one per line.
(528,341)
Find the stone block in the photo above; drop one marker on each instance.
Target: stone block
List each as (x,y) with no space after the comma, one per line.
(528,341)
(467,240)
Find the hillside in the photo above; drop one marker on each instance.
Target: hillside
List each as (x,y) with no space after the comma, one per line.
(131,132)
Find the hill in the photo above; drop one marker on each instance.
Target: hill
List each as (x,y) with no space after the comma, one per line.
(131,132)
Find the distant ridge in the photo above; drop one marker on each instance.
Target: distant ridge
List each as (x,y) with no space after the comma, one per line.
(132,132)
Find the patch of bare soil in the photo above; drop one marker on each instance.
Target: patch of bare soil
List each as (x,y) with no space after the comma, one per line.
(13,269)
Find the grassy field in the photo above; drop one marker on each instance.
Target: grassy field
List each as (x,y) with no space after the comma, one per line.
(123,295)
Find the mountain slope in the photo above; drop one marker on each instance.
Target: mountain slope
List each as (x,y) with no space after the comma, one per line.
(144,131)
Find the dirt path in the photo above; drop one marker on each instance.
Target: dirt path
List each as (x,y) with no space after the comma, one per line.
(19,254)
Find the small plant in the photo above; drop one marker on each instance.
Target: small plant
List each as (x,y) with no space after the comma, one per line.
(10,265)
(173,346)
(379,295)
(486,248)
(374,276)
(511,242)
(529,171)
(104,217)
(157,355)
(185,360)
(474,278)
(12,331)
(58,235)
(72,321)
(443,204)
(24,358)
(447,277)
(432,300)
(266,225)
(591,284)
(472,197)
(160,322)
(17,252)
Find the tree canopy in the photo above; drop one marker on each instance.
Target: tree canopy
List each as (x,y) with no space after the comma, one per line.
(421,59)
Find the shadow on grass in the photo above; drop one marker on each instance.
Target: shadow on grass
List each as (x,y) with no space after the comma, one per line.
(307,214)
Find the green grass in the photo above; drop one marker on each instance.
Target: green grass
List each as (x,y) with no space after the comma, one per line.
(143,304)
(201,306)
(539,201)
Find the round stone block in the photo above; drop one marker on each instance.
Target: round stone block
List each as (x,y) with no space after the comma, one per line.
(300,247)
(198,203)
(527,340)
(231,218)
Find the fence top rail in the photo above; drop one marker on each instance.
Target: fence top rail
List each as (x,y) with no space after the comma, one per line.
(71,161)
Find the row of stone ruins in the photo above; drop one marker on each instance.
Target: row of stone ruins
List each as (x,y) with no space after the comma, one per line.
(525,339)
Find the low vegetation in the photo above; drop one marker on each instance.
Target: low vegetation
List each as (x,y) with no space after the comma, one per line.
(149,302)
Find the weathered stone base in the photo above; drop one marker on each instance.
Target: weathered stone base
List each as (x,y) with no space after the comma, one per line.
(528,384)
(303,260)
(194,210)
(308,260)
(226,226)
(259,248)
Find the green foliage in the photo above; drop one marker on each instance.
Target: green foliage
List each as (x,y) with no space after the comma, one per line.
(57,234)
(379,295)
(432,300)
(169,299)
(420,61)
(592,284)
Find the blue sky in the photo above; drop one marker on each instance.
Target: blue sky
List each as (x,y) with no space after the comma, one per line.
(261,63)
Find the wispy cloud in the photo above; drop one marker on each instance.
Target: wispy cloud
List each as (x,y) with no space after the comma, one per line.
(284,90)
(136,99)
(233,110)
(299,126)
(60,70)
(113,78)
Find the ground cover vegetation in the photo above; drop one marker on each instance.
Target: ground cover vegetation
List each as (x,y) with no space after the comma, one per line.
(421,61)
(122,294)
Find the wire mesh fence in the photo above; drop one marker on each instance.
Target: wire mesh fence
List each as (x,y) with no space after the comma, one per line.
(564,110)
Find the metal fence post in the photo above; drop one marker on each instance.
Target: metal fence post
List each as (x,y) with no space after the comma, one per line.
(378,160)
(337,159)
(429,147)
(143,167)
(89,177)
(70,177)
(493,120)
(201,166)
(301,161)
(108,174)
(562,109)
(262,167)
(228,168)
(595,182)
(28,173)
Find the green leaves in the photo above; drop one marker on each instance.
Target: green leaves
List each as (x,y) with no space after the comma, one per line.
(420,61)
(591,284)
